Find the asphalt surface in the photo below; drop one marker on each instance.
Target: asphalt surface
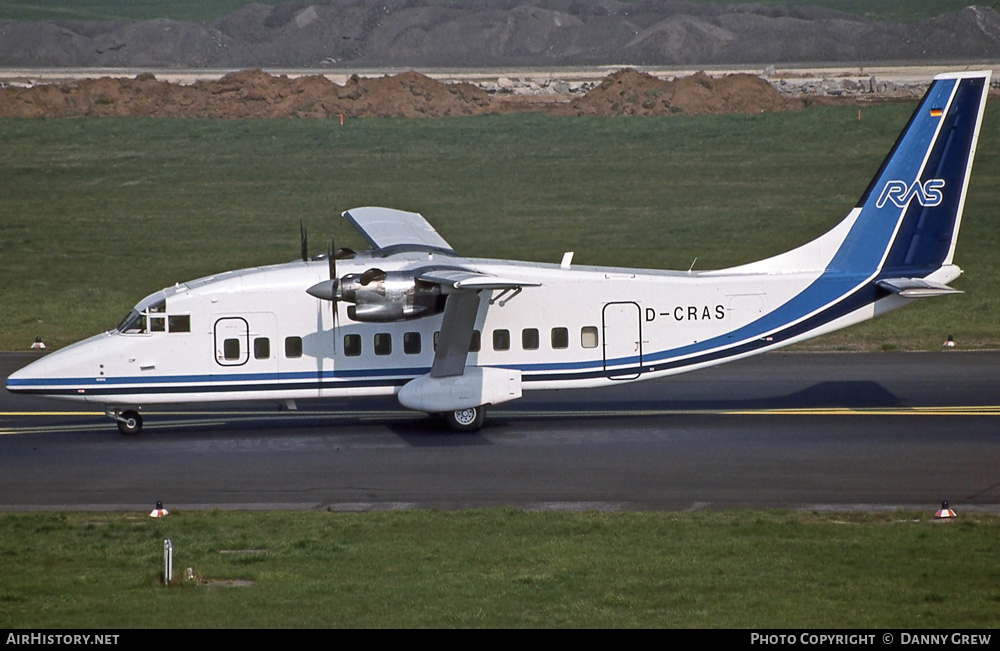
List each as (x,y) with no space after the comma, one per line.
(783,430)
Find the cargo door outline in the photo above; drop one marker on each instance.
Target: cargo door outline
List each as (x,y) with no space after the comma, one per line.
(622,328)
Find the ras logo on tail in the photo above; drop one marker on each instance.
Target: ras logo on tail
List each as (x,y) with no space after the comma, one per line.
(451,335)
(928,193)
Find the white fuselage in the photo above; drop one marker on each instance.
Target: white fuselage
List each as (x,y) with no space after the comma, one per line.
(256,334)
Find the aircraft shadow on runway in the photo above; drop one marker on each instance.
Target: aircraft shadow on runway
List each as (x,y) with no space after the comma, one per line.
(321,417)
(851,394)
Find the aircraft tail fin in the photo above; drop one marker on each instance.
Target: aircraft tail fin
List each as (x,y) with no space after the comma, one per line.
(906,222)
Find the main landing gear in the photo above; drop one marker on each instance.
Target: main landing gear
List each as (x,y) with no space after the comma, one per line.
(129,421)
(469,419)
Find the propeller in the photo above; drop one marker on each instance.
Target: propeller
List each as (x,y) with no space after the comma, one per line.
(331,259)
(329,290)
(303,242)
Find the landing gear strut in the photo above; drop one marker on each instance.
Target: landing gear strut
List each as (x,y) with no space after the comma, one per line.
(129,421)
(469,419)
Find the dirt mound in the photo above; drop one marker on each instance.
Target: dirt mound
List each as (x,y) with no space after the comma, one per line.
(413,95)
(628,92)
(248,94)
(256,94)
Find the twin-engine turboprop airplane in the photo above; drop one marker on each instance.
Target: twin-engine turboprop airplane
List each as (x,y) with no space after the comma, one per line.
(451,335)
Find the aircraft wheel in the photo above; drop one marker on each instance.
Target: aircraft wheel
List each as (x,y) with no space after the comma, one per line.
(469,419)
(130,423)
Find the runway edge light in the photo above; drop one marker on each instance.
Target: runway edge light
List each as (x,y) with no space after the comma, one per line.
(949,342)
(159,511)
(945,511)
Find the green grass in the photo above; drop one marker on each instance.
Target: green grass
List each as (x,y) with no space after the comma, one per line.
(198,10)
(97,213)
(501,568)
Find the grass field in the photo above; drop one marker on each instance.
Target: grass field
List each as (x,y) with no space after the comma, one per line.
(501,568)
(97,213)
(94,214)
(197,10)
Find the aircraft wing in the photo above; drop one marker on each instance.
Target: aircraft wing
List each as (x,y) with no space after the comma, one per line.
(470,280)
(456,334)
(460,313)
(389,231)
(916,287)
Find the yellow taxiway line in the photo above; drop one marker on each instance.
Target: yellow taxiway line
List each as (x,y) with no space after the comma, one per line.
(210,418)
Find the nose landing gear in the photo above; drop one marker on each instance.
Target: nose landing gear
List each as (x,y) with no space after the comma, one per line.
(129,421)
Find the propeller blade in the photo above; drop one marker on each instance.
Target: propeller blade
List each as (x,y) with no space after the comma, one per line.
(303,241)
(334,282)
(331,259)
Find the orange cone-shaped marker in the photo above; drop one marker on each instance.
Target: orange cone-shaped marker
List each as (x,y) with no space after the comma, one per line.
(945,511)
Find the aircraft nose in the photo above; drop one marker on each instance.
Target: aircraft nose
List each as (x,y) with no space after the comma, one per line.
(51,374)
(20,379)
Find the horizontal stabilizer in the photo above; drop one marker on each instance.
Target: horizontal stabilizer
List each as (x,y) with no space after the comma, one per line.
(916,287)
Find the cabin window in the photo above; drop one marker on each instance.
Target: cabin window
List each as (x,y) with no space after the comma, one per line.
(588,337)
(560,337)
(179,323)
(437,335)
(383,343)
(529,339)
(261,348)
(293,347)
(352,345)
(157,324)
(411,343)
(501,340)
(231,349)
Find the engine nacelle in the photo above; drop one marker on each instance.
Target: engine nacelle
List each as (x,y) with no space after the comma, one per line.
(394,296)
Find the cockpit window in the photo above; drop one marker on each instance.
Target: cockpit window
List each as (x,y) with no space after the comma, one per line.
(152,317)
(133,324)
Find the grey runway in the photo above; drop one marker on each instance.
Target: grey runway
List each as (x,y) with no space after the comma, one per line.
(784,430)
